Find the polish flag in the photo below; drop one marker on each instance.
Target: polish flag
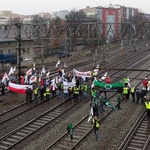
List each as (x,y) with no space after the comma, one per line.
(5,77)
(33,79)
(29,72)
(18,88)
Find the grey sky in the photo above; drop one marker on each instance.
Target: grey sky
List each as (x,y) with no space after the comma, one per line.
(27,7)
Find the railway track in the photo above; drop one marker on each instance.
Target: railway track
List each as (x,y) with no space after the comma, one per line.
(110,55)
(24,104)
(138,137)
(23,108)
(147,56)
(83,129)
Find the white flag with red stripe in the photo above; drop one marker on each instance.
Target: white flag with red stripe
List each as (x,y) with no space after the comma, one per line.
(32,79)
(29,72)
(5,77)
(18,88)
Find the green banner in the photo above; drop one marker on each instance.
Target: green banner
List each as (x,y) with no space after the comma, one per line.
(108,86)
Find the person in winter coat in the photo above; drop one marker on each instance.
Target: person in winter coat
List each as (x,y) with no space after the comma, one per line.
(96,125)
(147,106)
(101,101)
(119,99)
(143,94)
(70,130)
(107,80)
(145,83)
(138,95)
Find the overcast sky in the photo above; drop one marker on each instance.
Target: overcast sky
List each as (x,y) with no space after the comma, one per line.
(28,7)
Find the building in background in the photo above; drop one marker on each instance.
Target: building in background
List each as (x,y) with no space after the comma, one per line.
(8,45)
(105,15)
(61,14)
(126,13)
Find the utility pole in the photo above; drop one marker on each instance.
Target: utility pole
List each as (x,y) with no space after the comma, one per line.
(122,47)
(70,45)
(95,56)
(42,51)
(18,38)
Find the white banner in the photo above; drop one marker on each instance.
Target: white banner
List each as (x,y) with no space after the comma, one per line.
(68,84)
(82,74)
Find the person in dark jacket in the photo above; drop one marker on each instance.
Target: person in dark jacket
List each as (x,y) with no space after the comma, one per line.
(138,95)
(30,95)
(143,94)
(27,95)
(3,89)
(119,99)
(96,125)
(42,92)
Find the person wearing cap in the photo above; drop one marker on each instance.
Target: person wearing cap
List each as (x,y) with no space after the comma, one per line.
(145,83)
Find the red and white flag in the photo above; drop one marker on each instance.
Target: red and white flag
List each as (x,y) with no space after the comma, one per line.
(18,88)
(5,77)
(32,79)
(29,72)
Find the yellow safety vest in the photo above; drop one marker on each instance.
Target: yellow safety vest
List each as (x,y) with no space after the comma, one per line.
(47,91)
(147,104)
(36,91)
(76,91)
(125,90)
(97,123)
(132,89)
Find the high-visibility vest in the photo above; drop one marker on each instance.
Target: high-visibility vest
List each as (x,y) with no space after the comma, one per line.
(125,90)
(125,80)
(85,88)
(76,90)
(147,104)
(47,91)
(97,123)
(132,89)
(36,91)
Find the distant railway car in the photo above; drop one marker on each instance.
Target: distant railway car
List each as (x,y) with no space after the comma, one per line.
(8,58)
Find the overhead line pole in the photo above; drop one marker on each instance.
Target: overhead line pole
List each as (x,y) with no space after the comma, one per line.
(19,49)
